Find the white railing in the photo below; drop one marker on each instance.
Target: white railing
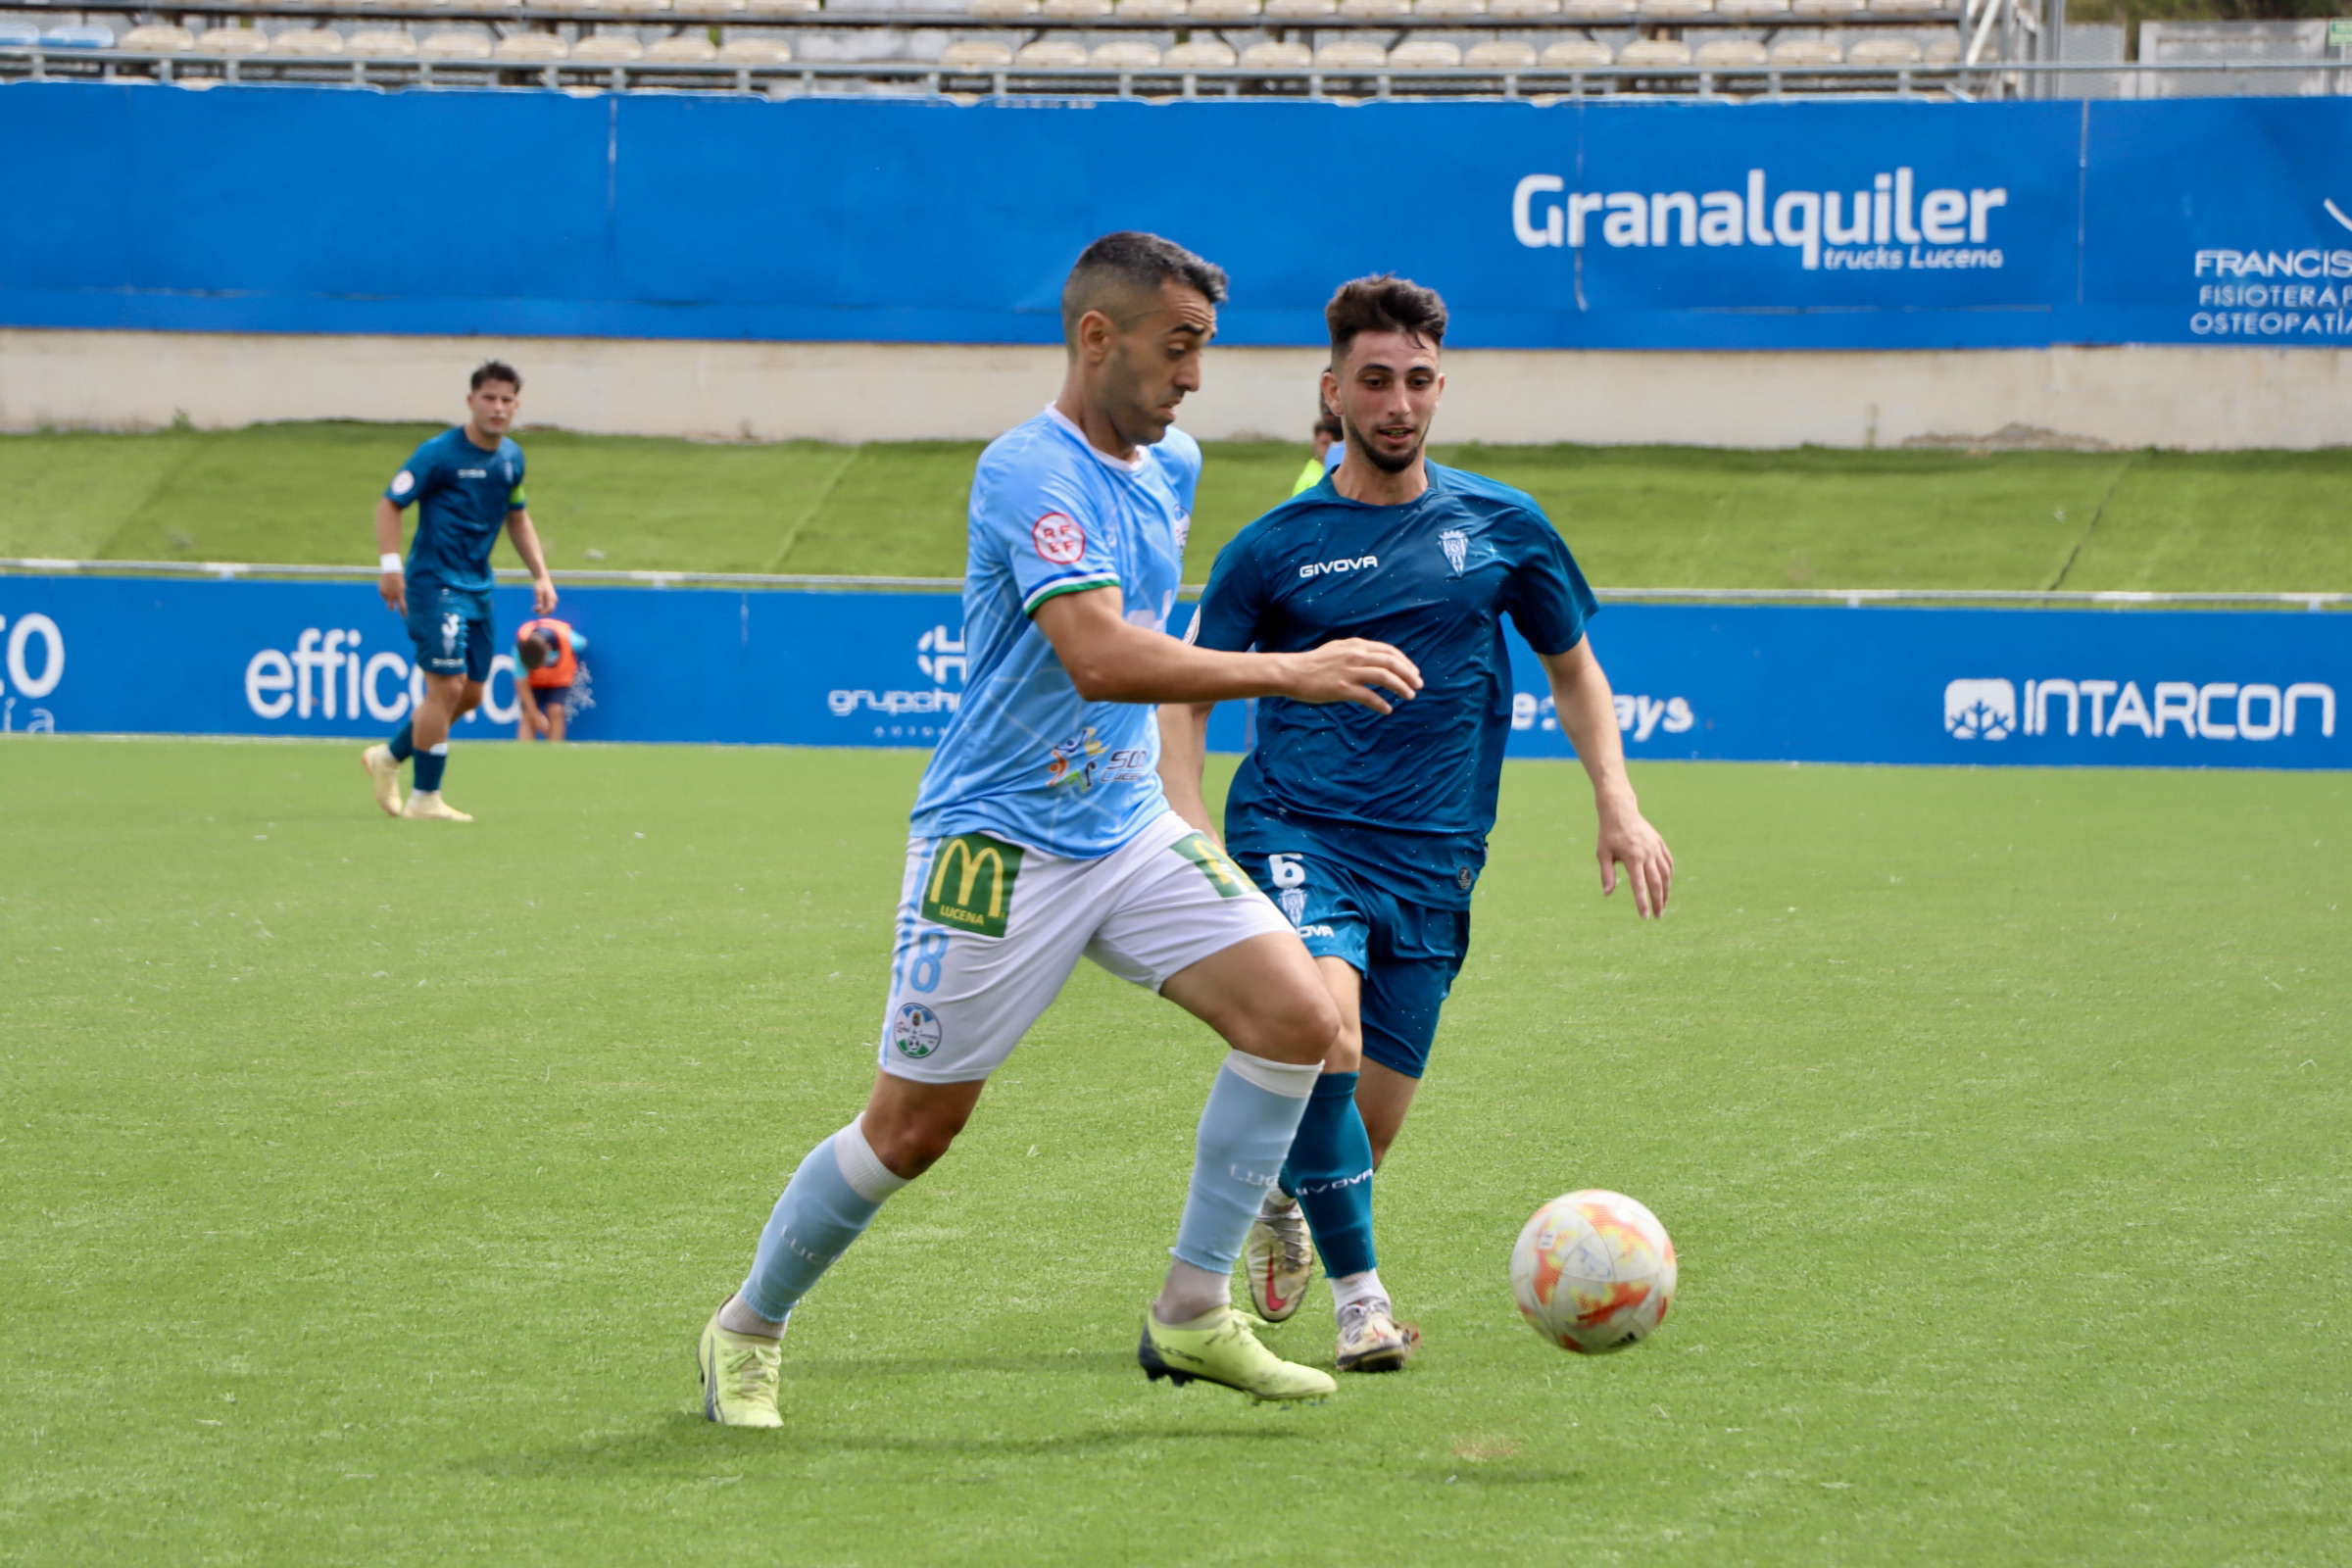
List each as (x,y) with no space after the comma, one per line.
(1852,598)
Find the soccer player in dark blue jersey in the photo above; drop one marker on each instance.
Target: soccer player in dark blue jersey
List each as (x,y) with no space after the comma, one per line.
(466,484)
(1369,829)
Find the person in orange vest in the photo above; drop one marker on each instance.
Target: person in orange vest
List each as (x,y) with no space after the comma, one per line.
(547,654)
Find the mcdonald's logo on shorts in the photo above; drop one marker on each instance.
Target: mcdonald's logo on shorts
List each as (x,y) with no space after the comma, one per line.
(971,883)
(1229,881)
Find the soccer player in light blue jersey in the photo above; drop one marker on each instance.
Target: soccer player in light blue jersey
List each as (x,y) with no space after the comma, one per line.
(1041,835)
(1369,830)
(466,484)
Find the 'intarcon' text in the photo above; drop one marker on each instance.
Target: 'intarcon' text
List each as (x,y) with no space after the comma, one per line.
(1955,223)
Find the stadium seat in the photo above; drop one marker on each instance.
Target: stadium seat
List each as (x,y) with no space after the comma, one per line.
(379,43)
(1268,55)
(1577,54)
(454,45)
(1884,52)
(1350,54)
(756,52)
(1655,52)
(307,41)
(1075,9)
(228,39)
(1376,9)
(18,35)
(1151,10)
(1516,9)
(1943,50)
(1677,8)
(1224,10)
(976,54)
(1752,8)
(1597,9)
(1301,8)
(1050,54)
(1500,55)
(608,50)
(534,47)
(1806,52)
(1728,52)
(86,35)
(1003,10)
(1426,53)
(1125,55)
(679,48)
(156,39)
(1201,54)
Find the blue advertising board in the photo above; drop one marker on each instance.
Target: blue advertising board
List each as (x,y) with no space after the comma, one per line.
(1753,683)
(1813,224)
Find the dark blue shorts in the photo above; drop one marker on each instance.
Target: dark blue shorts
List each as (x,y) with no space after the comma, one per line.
(1408,954)
(450,631)
(551,695)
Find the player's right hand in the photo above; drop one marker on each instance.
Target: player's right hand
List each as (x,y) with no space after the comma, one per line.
(394,586)
(1355,670)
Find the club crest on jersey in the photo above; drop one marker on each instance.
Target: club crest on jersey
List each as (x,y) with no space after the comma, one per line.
(1058,539)
(1456,545)
(451,624)
(1294,904)
(971,884)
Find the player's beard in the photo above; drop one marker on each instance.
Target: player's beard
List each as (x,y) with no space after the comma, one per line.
(1381,461)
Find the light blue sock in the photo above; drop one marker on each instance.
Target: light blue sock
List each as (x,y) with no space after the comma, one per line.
(827,1205)
(1330,1170)
(1245,1130)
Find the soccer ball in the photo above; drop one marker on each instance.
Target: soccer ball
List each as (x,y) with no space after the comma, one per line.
(1593,1271)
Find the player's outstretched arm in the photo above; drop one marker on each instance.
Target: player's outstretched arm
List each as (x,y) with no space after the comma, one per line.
(1110,661)
(1588,711)
(394,583)
(1183,755)
(526,545)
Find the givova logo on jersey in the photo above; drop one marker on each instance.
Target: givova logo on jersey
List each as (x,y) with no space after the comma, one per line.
(1988,709)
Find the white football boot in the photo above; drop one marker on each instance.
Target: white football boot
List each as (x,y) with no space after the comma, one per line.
(1371,1339)
(427,806)
(1280,1256)
(384,774)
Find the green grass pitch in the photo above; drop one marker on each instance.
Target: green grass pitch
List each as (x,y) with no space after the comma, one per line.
(1638,517)
(367,1183)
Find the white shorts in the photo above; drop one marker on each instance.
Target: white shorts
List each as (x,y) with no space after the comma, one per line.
(988,932)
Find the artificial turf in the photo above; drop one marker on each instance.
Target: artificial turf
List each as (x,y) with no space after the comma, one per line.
(1638,517)
(368,1181)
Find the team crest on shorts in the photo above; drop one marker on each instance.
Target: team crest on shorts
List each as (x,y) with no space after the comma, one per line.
(916,1031)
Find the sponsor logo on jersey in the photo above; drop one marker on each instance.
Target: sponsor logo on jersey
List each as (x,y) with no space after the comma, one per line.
(473,473)
(1324,568)
(1456,545)
(1058,539)
(1073,761)
(971,883)
(914,1031)
(403,482)
(1223,875)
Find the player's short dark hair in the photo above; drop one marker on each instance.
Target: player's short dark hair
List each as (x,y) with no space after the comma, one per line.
(496,370)
(532,649)
(1132,263)
(1382,303)
(1328,424)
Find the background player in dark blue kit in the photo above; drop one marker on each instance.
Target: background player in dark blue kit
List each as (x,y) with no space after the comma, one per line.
(1369,829)
(466,484)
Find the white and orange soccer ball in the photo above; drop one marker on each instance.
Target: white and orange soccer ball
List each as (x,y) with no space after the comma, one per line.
(1593,1271)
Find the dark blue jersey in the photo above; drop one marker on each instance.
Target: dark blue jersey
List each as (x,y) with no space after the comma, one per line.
(1411,794)
(463,493)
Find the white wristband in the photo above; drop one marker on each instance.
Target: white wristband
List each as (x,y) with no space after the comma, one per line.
(390,562)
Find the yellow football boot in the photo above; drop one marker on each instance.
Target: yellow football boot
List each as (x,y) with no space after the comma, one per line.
(740,1374)
(1219,1348)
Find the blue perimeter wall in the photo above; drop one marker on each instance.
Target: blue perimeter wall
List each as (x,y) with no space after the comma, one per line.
(669,216)
(1758,683)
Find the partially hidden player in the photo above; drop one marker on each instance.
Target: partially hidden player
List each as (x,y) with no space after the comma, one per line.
(465,483)
(1041,834)
(1330,444)
(1370,831)
(547,661)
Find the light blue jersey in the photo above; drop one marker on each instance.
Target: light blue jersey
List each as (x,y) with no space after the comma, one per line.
(1026,758)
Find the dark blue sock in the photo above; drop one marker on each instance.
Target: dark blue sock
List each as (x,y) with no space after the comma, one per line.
(402,745)
(1331,1170)
(430,765)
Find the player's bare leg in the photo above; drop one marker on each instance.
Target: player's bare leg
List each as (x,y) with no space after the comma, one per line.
(554,718)
(1383,1095)
(447,699)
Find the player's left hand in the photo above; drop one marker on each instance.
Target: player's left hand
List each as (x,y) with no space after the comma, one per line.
(1630,841)
(543,595)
